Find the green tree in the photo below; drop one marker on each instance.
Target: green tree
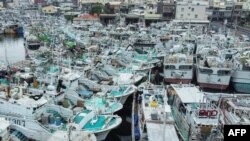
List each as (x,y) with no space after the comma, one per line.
(96,9)
(108,9)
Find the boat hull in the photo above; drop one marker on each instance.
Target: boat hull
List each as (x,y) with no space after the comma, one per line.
(177,75)
(102,135)
(177,81)
(213,86)
(241,81)
(35,46)
(123,99)
(9,31)
(19,30)
(241,87)
(210,79)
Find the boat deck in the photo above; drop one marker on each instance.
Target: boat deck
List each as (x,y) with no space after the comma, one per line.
(155,130)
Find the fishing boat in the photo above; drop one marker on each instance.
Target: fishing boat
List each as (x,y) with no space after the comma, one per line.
(4,132)
(153,118)
(33,112)
(196,117)
(32,42)
(13,132)
(178,67)
(92,122)
(127,78)
(86,84)
(240,77)
(213,71)
(84,99)
(72,136)
(120,93)
(11,28)
(103,105)
(236,110)
(144,40)
(124,75)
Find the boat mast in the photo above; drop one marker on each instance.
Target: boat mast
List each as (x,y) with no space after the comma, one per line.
(8,73)
(69,132)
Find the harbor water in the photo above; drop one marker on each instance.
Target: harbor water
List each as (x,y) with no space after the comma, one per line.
(12,48)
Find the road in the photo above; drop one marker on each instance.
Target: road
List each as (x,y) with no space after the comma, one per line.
(221,28)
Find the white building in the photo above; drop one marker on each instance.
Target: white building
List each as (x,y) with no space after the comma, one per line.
(192,11)
(217,3)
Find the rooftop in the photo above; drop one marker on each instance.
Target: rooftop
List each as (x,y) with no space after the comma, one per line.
(188,93)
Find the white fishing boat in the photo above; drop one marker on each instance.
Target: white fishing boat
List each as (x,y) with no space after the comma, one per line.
(83,99)
(235,110)
(34,113)
(100,125)
(4,131)
(120,93)
(178,68)
(154,118)
(212,70)
(195,116)
(240,77)
(32,42)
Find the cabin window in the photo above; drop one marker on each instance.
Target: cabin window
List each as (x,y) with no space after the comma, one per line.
(185,67)
(171,67)
(206,71)
(228,56)
(182,109)
(223,72)
(246,68)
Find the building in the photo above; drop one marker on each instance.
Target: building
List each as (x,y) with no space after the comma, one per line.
(192,11)
(66,6)
(50,9)
(221,10)
(82,18)
(167,9)
(115,5)
(238,11)
(229,10)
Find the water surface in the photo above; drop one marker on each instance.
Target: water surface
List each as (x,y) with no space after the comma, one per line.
(13,47)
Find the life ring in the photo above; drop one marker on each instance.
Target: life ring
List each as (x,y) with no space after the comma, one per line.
(203,113)
(213,113)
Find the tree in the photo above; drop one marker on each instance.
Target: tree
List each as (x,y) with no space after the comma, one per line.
(108,9)
(96,9)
